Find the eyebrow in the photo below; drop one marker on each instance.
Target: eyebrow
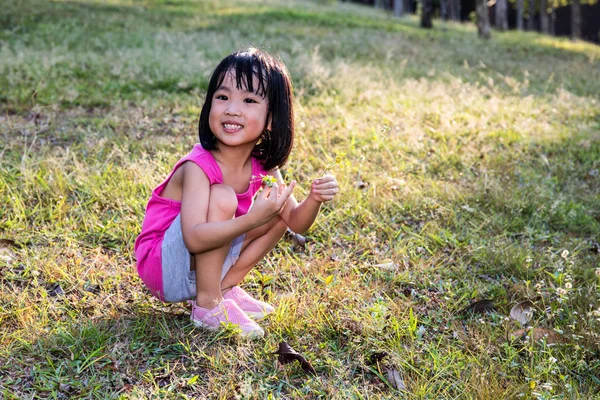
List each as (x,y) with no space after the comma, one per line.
(227,89)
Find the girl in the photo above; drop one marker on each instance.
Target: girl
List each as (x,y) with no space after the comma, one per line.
(204,227)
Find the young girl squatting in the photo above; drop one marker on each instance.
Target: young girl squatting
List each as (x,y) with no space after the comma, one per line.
(212,220)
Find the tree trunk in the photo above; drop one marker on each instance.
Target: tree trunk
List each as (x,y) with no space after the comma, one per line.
(544,16)
(444,10)
(576,19)
(520,14)
(501,20)
(483,19)
(378,3)
(456,10)
(398,8)
(552,21)
(426,14)
(530,21)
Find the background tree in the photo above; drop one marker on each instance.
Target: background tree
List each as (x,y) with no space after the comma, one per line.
(520,7)
(544,23)
(501,18)
(426,14)
(576,19)
(398,8)
(530,20)
(483,19)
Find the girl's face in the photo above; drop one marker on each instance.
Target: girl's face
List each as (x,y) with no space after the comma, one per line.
(237,117)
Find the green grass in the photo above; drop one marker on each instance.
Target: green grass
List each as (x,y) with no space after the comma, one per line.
(479,163)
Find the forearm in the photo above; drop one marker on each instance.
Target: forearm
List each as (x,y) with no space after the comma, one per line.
(302,217)
(211,235)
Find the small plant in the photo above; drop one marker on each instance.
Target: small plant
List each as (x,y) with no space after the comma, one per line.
(267,180)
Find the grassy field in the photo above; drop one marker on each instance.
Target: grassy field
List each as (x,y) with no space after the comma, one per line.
(469,171)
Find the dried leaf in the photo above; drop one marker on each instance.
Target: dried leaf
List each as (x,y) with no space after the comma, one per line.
(538,334)
(55,290)
(522,312)
(390,266)
(466,207)
(4,242)
(376,357)
(395,379)
(299,241)
(359,184)
(480,306)
(6,254)
(287,355)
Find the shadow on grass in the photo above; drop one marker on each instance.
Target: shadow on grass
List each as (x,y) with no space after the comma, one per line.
(157,348)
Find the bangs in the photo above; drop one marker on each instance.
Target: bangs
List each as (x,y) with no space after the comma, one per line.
(245,68)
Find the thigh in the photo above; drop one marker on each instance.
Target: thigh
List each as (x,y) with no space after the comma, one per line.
(179,283)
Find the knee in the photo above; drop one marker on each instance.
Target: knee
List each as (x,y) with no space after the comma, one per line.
(222,202)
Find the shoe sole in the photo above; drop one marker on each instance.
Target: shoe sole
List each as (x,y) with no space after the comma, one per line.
(253,334)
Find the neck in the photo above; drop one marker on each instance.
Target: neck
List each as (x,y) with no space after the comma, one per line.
(234,158)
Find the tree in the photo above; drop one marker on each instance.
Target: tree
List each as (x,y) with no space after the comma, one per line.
(398,8)
(501,18)
(520,14)
(426,14)
(544,23)
(530,21)
(576,19)
(483,19)
(444,10)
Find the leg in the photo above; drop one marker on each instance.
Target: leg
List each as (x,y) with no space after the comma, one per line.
(257,244)
(208,265)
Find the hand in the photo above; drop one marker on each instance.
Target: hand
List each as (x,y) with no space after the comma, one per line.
(324,188)
(270,201)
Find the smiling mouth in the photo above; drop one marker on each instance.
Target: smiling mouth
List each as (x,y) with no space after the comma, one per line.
(232,127)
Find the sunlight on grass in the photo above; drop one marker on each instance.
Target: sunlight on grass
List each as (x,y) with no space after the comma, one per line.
(467,169)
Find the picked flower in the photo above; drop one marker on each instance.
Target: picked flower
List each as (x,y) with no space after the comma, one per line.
(267,180)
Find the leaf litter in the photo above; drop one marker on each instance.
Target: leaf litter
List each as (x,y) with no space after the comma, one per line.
(522,312)
(286,354)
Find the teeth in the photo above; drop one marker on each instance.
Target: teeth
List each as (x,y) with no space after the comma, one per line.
(231,126)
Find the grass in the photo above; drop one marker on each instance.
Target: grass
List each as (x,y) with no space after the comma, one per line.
(471,167)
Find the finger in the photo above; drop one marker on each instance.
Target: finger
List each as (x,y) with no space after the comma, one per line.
(264,192)
(326,192)
(274,191)
(325,198)
(327,185)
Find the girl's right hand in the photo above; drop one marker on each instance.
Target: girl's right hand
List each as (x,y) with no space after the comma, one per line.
(270,201)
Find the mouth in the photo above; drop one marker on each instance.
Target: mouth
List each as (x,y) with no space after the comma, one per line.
(231,128)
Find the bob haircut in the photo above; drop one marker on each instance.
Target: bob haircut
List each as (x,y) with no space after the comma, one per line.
(274,84)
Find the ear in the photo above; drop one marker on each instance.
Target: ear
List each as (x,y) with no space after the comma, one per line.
(269,119)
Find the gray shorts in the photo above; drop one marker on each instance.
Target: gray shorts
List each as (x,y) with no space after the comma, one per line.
(179,283)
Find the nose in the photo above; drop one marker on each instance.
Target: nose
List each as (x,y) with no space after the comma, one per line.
(233,109)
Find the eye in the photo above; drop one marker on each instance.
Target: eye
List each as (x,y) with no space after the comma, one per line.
(250,101)
(221,97)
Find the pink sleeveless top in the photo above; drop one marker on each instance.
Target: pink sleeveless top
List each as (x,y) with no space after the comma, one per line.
(160,213)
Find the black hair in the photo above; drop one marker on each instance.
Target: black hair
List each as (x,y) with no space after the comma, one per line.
(274,84)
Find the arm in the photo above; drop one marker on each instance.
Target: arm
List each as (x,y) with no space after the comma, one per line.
(300,217)
(200,235)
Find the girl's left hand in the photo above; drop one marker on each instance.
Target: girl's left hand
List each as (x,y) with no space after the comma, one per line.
(324,188)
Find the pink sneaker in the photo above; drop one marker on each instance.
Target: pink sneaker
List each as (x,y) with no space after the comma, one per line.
(254,308)
(227,311)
